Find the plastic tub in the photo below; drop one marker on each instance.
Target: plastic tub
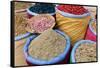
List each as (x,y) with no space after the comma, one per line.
(52,61)
(77,44)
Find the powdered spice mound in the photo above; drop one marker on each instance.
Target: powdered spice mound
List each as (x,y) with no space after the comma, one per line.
(73,9)
(40,23)
(47,45)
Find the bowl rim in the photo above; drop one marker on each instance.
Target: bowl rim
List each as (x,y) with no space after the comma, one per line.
(42,62)
(19,37)
(90,26)
(77,44)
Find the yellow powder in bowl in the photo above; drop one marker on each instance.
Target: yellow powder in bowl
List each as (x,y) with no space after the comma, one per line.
(47,45)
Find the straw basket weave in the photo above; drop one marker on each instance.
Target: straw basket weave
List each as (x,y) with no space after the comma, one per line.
(74,27)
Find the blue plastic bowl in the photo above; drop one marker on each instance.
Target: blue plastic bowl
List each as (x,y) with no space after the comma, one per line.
(44,62)
(22,36)
(77,44)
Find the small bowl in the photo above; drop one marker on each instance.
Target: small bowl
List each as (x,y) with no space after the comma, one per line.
(71,15)
(44,62)
(77,44)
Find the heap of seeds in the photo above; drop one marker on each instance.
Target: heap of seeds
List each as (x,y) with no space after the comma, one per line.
(86,52)
(42,8)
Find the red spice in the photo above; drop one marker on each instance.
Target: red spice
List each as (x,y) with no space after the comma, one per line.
(74,9)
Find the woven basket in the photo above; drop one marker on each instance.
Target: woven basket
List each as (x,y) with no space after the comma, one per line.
(73,26)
